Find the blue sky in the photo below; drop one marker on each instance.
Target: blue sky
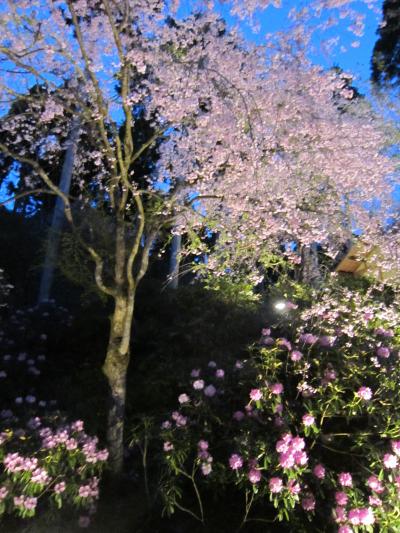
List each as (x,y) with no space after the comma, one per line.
(354,60)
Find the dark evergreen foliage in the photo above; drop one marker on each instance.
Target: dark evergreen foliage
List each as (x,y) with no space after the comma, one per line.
(385,61)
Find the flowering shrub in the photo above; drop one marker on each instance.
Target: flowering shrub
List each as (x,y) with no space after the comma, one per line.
(45,461)
(48,459)
(308,428)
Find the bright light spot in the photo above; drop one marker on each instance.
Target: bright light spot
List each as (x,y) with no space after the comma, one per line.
(280,306)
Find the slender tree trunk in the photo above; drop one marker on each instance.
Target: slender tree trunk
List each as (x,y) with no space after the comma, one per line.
(310,271)
(115,369)
(173,274)
(46,280)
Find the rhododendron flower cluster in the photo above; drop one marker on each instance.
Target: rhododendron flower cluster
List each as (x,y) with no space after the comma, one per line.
(51,468)
(291,451)
(283,427)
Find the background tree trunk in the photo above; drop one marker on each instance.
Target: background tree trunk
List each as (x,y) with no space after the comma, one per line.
(310,268)
(47,277)
(174,261)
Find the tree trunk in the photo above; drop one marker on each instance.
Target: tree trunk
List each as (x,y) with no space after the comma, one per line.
(46,280)
(310,269)
(115,369)
(174,261)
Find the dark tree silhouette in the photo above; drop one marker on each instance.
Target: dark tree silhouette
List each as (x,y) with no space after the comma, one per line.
(385,61)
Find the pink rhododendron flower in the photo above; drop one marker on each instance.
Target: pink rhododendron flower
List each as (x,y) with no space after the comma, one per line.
(285,343)
(354,517)
(330,374)
(203,455)
(202,445)
(293,487)
(365,393)
(60,487)
(254,475)
(266,332)
(345,479)
(268,341)
(255,394)
(238,415)
(195,373)
(325,341)
(210,391)
(396,446)
(345,529)
(300,458)
(308,420)
(383,352)
(375,501)
(77,425)
(319,471)
(235,461)
(375,484)
(276,388)
(198,384)
(282,446)
(286,460)
(366,516)
(181,421)
(220,373)
(275,485)
(308,503)
(295,355)
(308,338)
(168,446)
(297,443)
(340,514)
(390,460)
(206,469)
(183,398)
